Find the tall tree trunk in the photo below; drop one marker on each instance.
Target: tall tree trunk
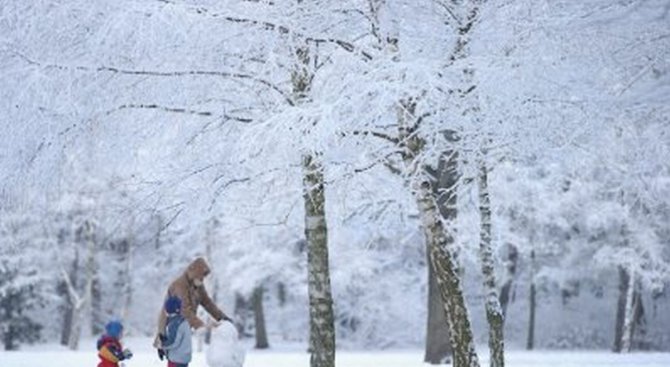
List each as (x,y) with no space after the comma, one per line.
(88,231)
(440,240)
(68,318)
(620,309)
(448,279)
(259,319)
(438,347)
(241,312)
(75,331)
(97,318)
(446,177)
(81,302)
(282,299)
(78,304)
(321,314)
(530,342)
(629,315)
(93,294)
(8,338)
(281,294)
(128,279)
(639,321)
(322,320)
(508,278)
(494,314)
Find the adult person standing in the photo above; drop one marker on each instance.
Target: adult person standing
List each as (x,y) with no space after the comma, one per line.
(189,287)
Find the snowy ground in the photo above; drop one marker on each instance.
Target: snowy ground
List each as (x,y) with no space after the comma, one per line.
(289,357)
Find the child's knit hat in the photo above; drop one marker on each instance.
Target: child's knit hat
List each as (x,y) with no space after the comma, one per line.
(173,305)
(114,329)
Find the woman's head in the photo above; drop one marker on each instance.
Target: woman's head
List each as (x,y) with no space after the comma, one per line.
(197,271)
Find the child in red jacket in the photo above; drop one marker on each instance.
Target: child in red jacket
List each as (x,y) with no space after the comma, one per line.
(110,350)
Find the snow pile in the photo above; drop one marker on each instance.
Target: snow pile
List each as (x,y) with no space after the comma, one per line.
(225,350)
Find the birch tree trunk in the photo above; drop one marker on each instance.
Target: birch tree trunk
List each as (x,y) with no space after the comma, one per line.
(438,346)
(620,309)
(127,271)
(629,315)
(128,279)
(494,314)
(93,283)
(75,329)
(66,325)
(89,236)
(640,322)
(77,306)
(322,320)
(471,109)
(69,282)
(440,240)
(97,319)
(530,342)
(81,302)
(259,319)
(632,314)
(321,314)
(281,297)
(448,280)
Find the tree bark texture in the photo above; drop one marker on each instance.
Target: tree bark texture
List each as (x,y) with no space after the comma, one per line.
(93,294)
(68,316)
(440,240)
(438,347)
(128,273)
(494,314)
(87,231)
(322,320)
(620,309)
(241,314)
(629,315)
(259,319)
(530,342)
(446,177)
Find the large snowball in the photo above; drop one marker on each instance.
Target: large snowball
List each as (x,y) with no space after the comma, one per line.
(225,349)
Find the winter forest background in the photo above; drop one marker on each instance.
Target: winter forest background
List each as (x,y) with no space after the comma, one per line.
(137,135)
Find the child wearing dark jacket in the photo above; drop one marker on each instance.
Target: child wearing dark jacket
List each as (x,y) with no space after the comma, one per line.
(110,350)
(176,338)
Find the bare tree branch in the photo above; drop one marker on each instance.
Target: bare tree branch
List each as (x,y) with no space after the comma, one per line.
(280,29)
(157,107)
(377,134)
(448,10)
(176,110)
(114,70)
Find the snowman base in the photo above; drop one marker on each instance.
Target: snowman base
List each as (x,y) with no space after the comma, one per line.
(225,350)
